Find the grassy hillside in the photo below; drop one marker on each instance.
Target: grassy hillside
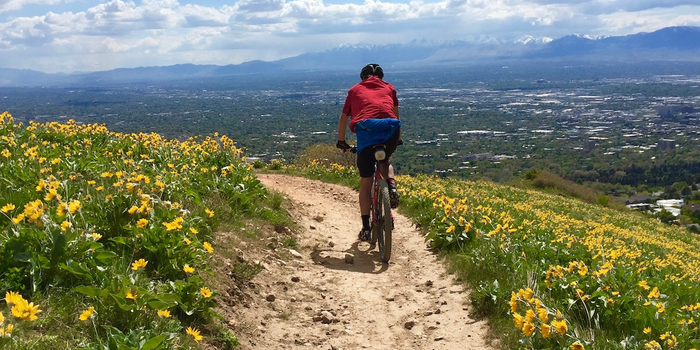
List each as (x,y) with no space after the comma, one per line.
(110,235)
(556,273)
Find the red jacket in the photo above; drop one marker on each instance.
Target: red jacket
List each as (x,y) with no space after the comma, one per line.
(372,98)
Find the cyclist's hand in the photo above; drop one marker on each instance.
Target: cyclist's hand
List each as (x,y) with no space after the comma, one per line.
(342,145)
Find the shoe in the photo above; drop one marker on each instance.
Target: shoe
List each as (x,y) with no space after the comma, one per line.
(393,197)
(365,235)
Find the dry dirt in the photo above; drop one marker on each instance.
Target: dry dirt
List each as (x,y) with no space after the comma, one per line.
(335,294)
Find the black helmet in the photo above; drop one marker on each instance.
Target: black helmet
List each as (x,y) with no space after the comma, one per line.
(371,69)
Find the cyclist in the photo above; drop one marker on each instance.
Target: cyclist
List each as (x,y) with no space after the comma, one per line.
(373,110)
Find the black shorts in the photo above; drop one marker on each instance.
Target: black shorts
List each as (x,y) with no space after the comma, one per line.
(365,160)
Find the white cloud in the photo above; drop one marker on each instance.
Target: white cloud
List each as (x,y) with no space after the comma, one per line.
(12,5)
(158,32)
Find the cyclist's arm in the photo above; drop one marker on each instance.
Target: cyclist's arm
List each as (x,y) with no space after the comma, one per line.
(342,125)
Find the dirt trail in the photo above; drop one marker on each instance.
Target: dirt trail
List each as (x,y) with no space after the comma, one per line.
(324,300)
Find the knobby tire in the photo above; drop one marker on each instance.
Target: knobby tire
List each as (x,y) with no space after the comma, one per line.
(384,221)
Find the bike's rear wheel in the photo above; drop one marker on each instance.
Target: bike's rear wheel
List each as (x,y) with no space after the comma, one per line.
(384,221)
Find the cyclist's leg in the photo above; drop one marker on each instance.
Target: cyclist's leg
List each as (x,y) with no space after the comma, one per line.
(391,145)
(365,163)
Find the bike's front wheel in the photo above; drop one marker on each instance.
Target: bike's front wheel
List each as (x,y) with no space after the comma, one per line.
(384,222)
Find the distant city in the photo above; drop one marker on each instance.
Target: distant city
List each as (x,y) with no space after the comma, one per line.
(631,131)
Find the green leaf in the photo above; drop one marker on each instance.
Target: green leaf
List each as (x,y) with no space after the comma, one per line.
(119,240)
(122,303)
(154,343)
(76,268)
(105,256)
(23,257)
(89,291)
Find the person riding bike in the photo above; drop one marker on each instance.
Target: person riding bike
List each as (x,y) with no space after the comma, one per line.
(373,110)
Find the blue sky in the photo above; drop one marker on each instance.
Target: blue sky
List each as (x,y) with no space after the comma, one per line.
(91,35)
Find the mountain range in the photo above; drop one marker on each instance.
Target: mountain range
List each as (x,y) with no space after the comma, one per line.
(668,44)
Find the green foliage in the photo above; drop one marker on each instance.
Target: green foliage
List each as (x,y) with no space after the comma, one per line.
(124,221)
(588,274)
(275,164)
(227,339)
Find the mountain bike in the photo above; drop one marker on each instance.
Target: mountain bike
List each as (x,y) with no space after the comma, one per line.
(382,220)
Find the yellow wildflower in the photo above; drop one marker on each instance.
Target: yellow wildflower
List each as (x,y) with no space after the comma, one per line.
(513,302)
(24,310)
(19,218)
(518,320)
(142,223)
(13,298)
(66,225)
(74,206)
(576,346)
(188,269)
(8,208)
(164,313)
(660,308)
(141,263)
(546,330)
(652,345)
(194,333)
(174,225)
(209,212)
(87,313)
(529,316)
(560,326)
(543,315)
(205,292)
(208,247)
(131,295)
(528,329)
(8,331)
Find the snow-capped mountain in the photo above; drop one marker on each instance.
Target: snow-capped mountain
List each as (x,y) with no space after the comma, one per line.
(672,43)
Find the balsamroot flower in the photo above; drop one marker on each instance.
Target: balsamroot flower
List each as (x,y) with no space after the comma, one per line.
(528,329)
(194,332)
(546,330)
(8,208)
(560,326)
(87,313)
(25,311)
(577,346)
(138,264)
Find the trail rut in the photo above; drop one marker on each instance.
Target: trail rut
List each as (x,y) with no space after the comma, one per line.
(335,294)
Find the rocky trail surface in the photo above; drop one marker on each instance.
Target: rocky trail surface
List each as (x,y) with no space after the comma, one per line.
(333,293)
